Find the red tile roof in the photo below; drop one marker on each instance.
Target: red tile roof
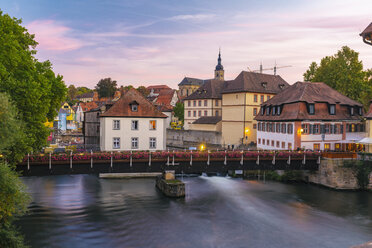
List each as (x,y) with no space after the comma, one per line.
(122,108)
(165,97)
(87,106)
(158,88)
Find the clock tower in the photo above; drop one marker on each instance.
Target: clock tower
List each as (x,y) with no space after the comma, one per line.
(219,72)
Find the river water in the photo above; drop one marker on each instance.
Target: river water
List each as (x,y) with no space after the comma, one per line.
(85,211)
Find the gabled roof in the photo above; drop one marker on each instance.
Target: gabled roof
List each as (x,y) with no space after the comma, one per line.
(211,89)
(367,31)
(256,82)
(165,97)
(121,108)
(310,92)
(369,113)
(208,120)
(87,106)
(191,81)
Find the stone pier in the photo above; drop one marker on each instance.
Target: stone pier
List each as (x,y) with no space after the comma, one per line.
(169,185)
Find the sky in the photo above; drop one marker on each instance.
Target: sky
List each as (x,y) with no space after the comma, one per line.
(147,42)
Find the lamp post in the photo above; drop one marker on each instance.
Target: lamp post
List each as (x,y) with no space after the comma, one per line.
(367,34)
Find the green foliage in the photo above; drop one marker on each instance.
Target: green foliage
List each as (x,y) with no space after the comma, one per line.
(10,237)
(143,90)
(362,169)
(272,175)
(31,85)
(73,92)
(106,87)
(344,73)
(179,110)
(291,176)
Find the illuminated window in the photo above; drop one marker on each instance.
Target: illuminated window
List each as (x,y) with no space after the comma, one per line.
(152,125)
(327,146)
(337,146)
(316,146)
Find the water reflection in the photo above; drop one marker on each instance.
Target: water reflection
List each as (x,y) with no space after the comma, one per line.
(84,211)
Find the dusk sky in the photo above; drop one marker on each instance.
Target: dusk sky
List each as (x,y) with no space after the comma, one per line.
(145,42)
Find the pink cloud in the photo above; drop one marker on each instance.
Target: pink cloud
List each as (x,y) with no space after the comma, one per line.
(53,36)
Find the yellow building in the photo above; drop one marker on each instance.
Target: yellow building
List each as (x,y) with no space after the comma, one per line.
(241,99)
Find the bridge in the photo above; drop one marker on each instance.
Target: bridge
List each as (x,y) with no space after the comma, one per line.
(187,163)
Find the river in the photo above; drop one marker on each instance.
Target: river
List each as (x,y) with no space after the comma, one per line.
(85,211)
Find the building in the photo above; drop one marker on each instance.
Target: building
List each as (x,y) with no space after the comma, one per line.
(82,107)
(204,102)
(310,116)
(189,85)
(155,89)
(66,118)
(86,97)
(241,99)
(132,123)
(367,34)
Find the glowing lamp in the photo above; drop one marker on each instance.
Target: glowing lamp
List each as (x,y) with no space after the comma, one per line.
(202,147)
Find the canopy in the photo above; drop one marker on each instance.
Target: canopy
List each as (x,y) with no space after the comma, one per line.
(365,141)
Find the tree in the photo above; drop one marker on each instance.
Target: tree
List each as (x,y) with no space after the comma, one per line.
(343,72)
(31,85)
(179,110)
(106,87)
(143,90)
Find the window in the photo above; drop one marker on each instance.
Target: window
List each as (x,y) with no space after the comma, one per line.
(262,98)
(199,113)
(254,126)
(116,125)
(316,146)
(187,92)
(272,143)
(290,128)
(205,112)
(116,143)
(332,109)
(279,109)
(305,128)
(268,97)
(284,128)
(188,103)
(316,129)
(274,110)
(327,146)
(216,103)
(134,143)
(189,113)
(259,126)
(278,127)
(152,143)
(199,103)
(255,111)
(351,111)
(311,109)
(264,126)
(134,125)
(217,113)
(268,142)
(134,107)
(360,110)
(194,103)
(194,113)
(152,125)
(337,146)
(259,141)
(262,110)
(268,111)
(326,128)
(283,145)
(255,98)
(289,146)
(336,128)
(205,103)
(263,141)
(278,144)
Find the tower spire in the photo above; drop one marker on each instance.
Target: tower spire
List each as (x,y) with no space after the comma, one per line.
(219,72)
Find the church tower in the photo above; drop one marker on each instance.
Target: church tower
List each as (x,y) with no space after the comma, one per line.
(219,72)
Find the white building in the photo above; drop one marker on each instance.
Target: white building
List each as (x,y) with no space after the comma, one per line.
(310,116)
(132,123)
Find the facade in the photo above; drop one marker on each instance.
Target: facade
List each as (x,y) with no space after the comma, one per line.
(204,102)
(82,107)
(189,85)
(86,97)
(241,99)
(66,118)
(132,123)
(310,116)
(155,89)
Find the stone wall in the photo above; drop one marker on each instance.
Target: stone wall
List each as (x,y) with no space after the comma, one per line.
(332,174)
(187,138)
(171,188)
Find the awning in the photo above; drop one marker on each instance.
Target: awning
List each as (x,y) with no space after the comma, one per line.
(365,141)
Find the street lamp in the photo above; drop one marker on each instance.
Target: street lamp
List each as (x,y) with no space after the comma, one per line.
(367,35)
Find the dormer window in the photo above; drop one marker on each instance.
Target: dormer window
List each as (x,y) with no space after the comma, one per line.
(134,106)
(268,111)
(311,109)
(264,84)
(281,86)
(262,110)
(351,110)
(279,110)
(360,110)
(332,109)
(274,110)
